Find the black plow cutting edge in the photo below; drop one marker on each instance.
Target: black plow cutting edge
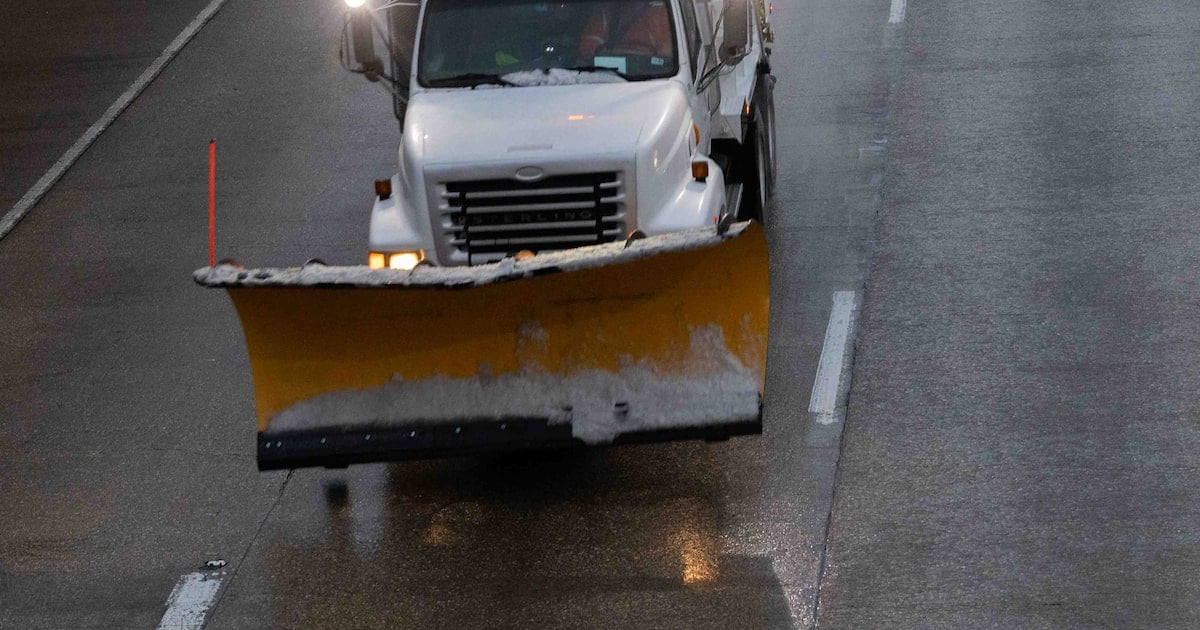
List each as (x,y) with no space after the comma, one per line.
(338,449)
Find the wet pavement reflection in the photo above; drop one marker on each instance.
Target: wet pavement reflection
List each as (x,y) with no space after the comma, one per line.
(568,539)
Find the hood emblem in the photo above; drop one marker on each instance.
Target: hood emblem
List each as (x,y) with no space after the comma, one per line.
(529,173)
(530,147)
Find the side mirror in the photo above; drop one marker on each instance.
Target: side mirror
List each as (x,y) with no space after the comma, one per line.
(736,26)
(362,43)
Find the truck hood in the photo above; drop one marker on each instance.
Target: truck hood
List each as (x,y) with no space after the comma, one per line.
(516,123)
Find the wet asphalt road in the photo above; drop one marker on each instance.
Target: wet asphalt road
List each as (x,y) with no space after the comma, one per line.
(1020,444)
(63,64)
(126,449)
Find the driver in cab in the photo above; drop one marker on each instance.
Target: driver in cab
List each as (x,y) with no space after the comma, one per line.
(637,27)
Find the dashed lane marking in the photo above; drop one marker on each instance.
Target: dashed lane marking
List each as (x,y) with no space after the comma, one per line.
(831,368)
(899,8)
(190,600)
(43,185)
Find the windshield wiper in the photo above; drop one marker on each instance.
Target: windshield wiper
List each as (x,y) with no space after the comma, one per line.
(471,80)
(599,69)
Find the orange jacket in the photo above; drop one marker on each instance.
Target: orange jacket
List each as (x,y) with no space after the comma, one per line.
(640,28)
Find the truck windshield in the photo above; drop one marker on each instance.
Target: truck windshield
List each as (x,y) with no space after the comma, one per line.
(468,43)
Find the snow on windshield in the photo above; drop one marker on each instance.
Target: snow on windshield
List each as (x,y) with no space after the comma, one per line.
(560,76)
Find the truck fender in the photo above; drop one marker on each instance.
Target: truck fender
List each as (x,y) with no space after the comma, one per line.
(395,226)
(694,203)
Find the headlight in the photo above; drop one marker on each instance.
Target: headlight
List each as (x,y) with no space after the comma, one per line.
(403,261)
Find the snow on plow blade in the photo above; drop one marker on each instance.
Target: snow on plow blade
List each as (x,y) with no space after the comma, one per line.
(662,339)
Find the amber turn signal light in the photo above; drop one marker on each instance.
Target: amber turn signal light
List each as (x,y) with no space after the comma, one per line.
(700,171)
(383,188)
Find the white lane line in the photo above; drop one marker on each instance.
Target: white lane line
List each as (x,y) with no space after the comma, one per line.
(899,8)
(34,194)
(189,601)
(827,384)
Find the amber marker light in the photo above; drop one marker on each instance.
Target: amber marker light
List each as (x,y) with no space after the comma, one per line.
(377,260)
(700,170)
(383,188)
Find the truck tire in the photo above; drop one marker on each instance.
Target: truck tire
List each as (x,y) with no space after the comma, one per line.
(766,98)
(758,154)
(758,180)
(754,178)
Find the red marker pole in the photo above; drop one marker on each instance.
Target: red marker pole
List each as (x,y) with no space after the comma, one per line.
(212,203)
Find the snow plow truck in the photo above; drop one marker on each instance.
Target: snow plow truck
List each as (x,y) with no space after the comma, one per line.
(570,252)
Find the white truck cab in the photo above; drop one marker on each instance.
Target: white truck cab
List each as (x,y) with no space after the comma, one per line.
(535,126)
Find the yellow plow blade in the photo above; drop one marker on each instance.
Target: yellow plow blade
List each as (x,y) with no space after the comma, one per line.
(662,339)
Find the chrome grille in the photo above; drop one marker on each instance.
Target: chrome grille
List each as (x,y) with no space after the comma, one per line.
(488,219)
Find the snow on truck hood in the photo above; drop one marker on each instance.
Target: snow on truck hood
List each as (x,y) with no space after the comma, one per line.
(503,124)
